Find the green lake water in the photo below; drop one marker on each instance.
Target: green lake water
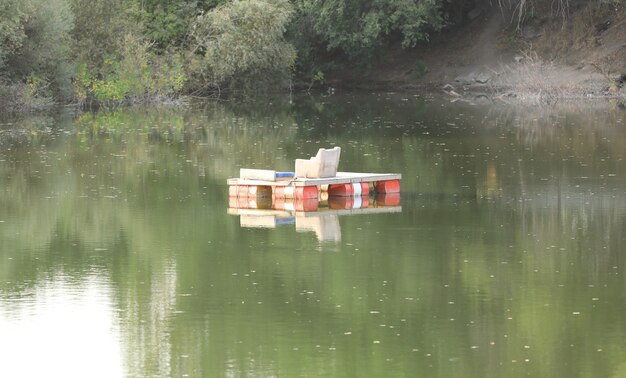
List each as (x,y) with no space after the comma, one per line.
(505,257)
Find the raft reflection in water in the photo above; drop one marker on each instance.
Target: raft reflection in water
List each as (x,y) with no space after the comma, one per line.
(319,216)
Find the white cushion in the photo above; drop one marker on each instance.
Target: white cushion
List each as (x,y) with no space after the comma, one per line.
(323,165)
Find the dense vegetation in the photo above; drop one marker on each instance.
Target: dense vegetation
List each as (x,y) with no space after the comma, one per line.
(113,51)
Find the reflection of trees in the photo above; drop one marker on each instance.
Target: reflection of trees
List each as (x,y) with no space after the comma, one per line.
(550,189)
(547,183)
(566,171)
(124,192)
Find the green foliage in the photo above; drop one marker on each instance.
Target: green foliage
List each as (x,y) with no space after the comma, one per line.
(36,86)
(25,97)
(133,50)
(319,76)
(82,82)
(36,41)
(110,90)
(358,27)
(242,44)
(117,63)
(11,27)
(130,50)
(166,22)
(137,76)
(100,28)
(46,49)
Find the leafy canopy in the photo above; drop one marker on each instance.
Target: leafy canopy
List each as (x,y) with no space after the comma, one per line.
(243,42)
(11,27)
(357,27)
(35,42)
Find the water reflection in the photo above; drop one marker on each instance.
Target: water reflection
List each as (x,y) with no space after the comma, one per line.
(506,259)
(318,216)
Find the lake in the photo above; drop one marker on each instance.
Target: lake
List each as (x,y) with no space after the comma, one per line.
(505,254)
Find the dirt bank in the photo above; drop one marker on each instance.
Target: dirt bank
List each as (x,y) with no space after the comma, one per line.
(491,54)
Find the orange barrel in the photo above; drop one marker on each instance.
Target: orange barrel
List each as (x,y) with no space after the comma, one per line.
(242,202)
(285,192)
(233,190)
(242,190)
(297,192)
(389,186)
(365,188)
(349,190)
(307,192)
(340,190)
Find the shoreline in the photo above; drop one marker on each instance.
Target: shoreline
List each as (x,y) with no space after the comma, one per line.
(473,93)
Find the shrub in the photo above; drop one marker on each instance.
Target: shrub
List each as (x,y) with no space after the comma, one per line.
(11,28)
(100,29)
(358,27)
(36,42)
(23,97)
(136,75)
(241,45)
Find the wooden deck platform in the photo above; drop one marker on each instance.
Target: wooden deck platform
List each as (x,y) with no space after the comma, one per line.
(341,178)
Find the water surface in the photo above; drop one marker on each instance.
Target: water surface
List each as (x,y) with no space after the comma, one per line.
(118,256)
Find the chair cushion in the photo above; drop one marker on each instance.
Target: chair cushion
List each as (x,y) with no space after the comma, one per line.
(323,165)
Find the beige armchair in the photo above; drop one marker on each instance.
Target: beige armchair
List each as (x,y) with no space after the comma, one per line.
(322,165)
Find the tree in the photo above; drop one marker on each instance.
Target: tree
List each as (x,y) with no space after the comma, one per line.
(241,44)
(357,27)
(11,28)
(100,28)
(167,21)
(36,42)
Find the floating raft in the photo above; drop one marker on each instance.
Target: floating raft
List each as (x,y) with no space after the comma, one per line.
(339,205)
(344,184)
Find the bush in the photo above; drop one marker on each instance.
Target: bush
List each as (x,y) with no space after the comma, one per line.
(241,45)
(357,27)
(100,29)
(11,28)
(137,75)
(24,97)
(36,42)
